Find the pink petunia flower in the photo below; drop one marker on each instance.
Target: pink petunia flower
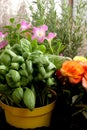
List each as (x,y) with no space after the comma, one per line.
(3,44)
(49,39)
(39,33)
(50,36)
(2,35)
(25,25)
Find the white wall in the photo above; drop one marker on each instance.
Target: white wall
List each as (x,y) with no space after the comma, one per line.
(11,8)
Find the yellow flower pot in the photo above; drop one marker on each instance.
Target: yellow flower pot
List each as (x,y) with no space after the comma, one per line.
(24,118)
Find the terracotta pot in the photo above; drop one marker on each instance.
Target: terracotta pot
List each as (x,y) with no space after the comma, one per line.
(24,118)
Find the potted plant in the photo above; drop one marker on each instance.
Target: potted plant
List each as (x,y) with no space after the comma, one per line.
(28,60)
(72,76)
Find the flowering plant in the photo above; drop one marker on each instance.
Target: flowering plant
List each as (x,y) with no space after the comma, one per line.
(73,78)
(14,32)
(29,57)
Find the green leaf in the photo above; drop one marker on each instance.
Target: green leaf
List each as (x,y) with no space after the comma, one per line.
(42,48)
(13,75)
(18,26)
(12,20)
(17,49)
(17,95)
(25,45)
(58,60)
(14,66)
(29,99)
(5,59)
(18,59)
(3,69)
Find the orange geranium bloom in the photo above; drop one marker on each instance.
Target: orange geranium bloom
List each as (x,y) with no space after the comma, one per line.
(73,70)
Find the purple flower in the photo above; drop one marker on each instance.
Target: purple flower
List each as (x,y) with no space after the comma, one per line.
(39,33)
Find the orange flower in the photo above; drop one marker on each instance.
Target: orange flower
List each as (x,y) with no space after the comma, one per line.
(83,62)
(73,70)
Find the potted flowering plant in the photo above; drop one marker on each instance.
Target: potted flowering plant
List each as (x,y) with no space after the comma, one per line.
(73,78)
(29,57)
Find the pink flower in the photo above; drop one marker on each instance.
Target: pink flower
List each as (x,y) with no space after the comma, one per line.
(25,25)
(3,44)
(49,39)
(39,33)
(50,36)
(2,35)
